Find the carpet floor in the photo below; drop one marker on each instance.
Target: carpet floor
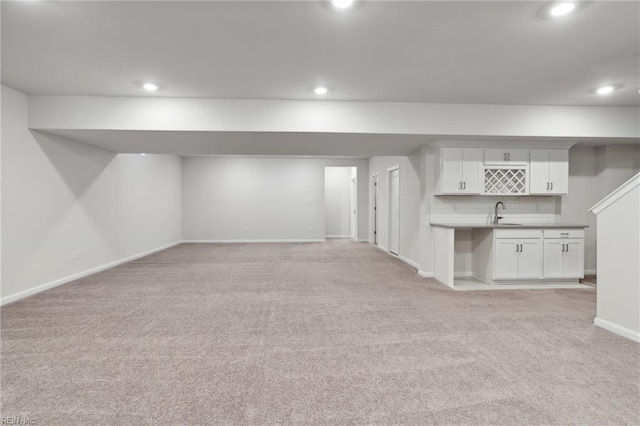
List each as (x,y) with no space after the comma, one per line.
(322,333)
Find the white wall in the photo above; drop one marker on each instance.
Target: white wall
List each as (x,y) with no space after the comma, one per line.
(619,265)
(574,207)
(410,203)
(615,165)
(62,198)
(261,198)
(337,201)
(427,187)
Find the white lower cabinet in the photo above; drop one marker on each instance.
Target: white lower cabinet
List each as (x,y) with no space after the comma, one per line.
(530,259)
(517,258)
(506,259)
(553,258)
(537,254)
(563,258)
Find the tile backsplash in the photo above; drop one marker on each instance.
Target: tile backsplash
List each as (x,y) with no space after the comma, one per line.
(480,209)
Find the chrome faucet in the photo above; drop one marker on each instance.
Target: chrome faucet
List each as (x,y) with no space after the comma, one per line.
(496,218)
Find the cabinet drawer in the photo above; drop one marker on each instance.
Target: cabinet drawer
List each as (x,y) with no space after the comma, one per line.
(564,233)
(518,233)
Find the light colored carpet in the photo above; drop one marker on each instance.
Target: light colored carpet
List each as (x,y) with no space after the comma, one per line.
(324,333)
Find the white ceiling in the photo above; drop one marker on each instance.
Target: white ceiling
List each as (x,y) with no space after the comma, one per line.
(441,52)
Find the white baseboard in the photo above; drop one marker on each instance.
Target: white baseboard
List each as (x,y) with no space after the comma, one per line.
(617,329)
(399,256)
(337,236)
(311,240)
(425,274)
(409,261)
(462,274)
(60,281)
(590,272)
(363,240)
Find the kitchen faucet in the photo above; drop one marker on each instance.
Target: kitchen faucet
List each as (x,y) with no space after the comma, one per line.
(496,217)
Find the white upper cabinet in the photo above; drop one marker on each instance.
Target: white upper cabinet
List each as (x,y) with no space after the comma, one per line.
(459,171)
(489,170)
(506,157)
(549,171)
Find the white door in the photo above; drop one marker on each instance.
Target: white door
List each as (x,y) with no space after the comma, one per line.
(539,172)
(574,258)
(354,208)
(451,161)
(559,171)
(374,209)
(471,159)
(554,258)
(530,259)
(506,259)
(394,211)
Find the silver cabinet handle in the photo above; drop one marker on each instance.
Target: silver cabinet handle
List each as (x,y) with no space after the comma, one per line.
(508,156)
(504,156)
(520,248)
(552,186)
(567,248)
(547,186)
(516,248)
(563,248)
(464,185)
(459,185)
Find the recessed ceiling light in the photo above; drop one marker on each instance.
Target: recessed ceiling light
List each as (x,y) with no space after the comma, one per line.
(562,9)
(142,153)
(604,90)
(151,87)
(320,90)
(342,4)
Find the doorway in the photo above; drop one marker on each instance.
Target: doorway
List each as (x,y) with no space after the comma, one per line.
(341,202)
(394,209)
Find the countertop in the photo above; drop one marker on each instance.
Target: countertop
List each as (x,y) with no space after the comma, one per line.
(506,226)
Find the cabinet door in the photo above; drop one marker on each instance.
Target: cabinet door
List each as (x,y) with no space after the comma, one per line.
(495,157)
(539,172)
(574,259)
(471,160)
(451,170)
(530,259)
(554,258)
(505,262)
(517,157)
(559,171)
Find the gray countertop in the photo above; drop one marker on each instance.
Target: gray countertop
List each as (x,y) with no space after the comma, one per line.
(507,226)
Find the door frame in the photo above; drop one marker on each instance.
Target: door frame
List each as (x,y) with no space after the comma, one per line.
(389,171)
(373,213)
(353,210)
